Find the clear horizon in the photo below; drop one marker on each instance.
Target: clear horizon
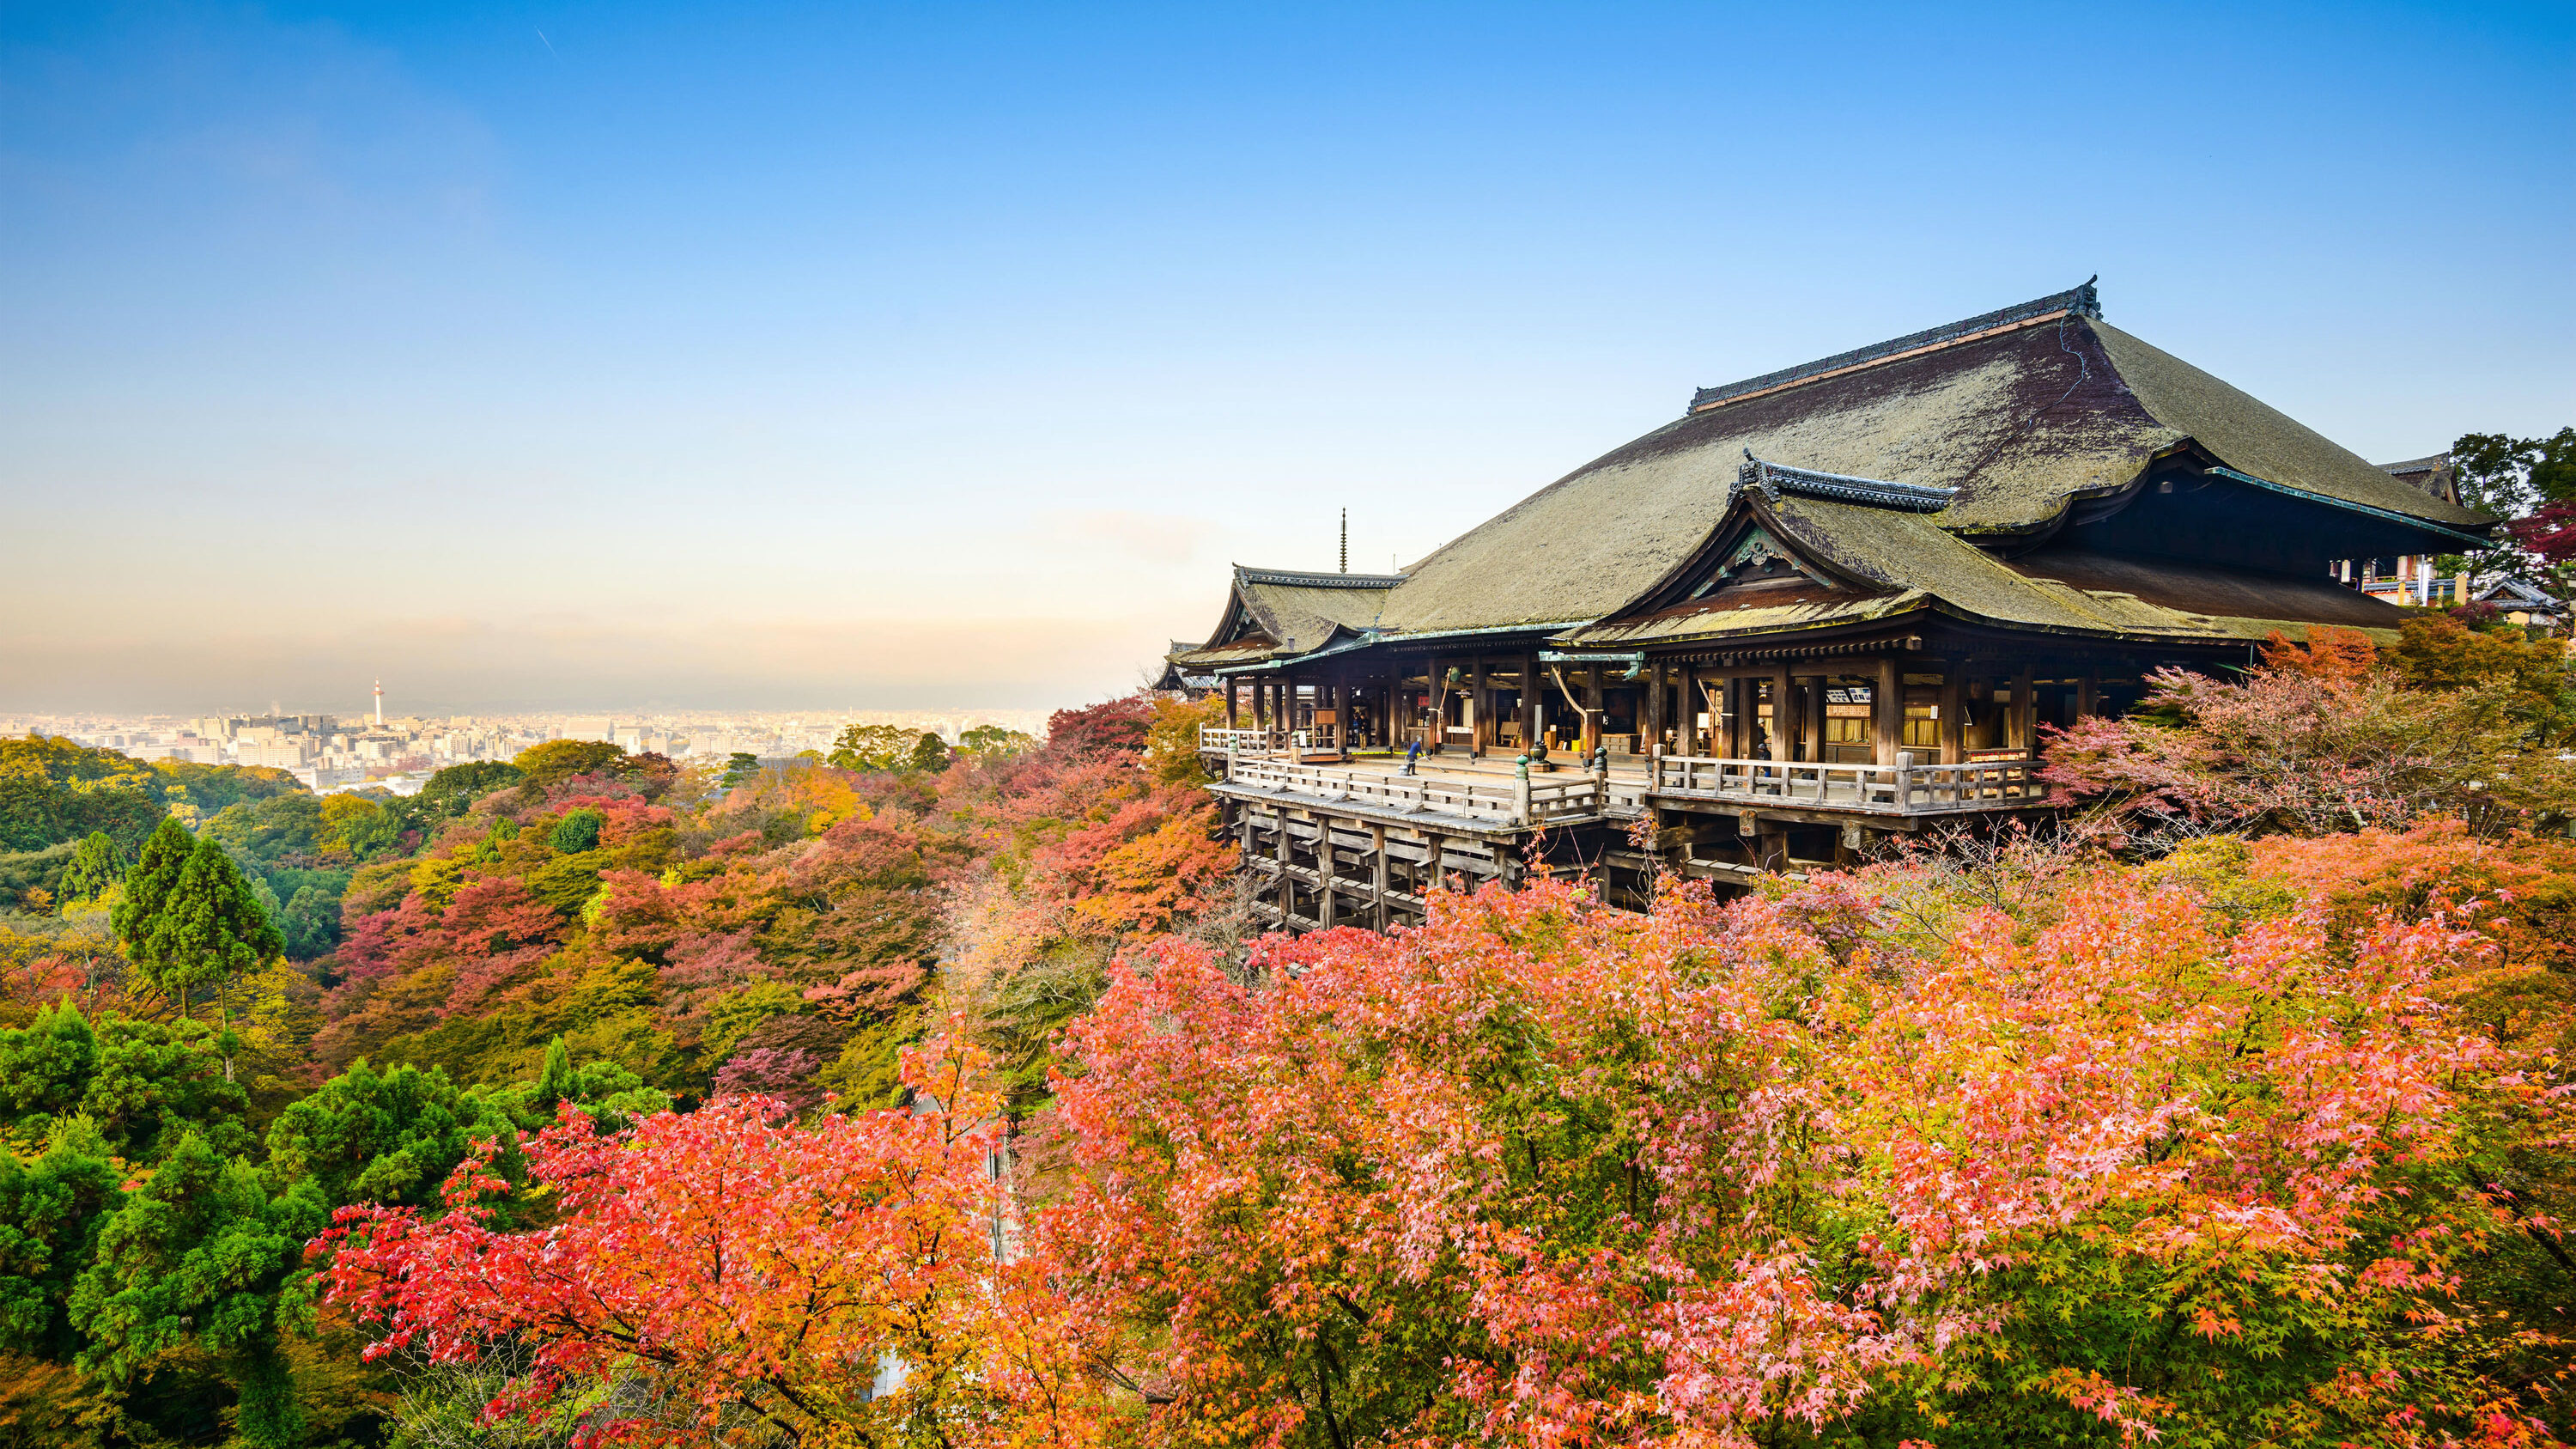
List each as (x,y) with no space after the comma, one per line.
(552,358)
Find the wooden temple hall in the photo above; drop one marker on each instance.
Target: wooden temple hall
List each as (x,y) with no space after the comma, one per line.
(1827,604)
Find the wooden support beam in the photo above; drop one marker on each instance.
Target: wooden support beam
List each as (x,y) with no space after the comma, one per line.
(1287,883)
(1784,723)
(1654,721)
(1591,709)
(1481,702)
(1887,706)
(1528,702)
(2025,713)
(1328,900)
(1811,719)
(1686,733)
(1377,876)
(2088,692)
(1954,704)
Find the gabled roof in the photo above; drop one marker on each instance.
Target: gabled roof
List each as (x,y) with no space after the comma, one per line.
(2022,413)
(1998,429)
(1875,562)
(1283,611)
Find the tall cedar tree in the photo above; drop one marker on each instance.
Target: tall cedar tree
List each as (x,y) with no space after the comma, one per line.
(147,889)
(209,930)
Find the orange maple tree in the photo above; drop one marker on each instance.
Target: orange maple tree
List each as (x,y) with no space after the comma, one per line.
(730,1276)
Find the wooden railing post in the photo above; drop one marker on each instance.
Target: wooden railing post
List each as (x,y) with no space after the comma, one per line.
(1521,791)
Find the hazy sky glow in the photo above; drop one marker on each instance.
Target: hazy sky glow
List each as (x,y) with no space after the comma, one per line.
(598,356)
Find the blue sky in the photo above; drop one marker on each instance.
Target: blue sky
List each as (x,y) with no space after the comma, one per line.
(605,355)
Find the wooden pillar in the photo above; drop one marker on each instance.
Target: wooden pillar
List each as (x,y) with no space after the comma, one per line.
(2088,692)
(1954,703)
(2025,713)
(1327,900)
(1784,708)
(1233,705)
(1481,706)
(1528,702)
(1430,866)
(1686,735)
(1811,718)
(1287,884)
(1726,710)
(1887,704)
(1377,876)
(1591,709)
(1655,707)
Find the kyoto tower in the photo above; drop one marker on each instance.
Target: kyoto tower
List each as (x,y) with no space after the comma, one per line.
(380,704)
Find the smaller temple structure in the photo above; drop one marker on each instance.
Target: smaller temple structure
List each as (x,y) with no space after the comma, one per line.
(1827,605)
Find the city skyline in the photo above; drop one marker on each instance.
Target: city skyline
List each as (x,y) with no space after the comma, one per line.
(898,355)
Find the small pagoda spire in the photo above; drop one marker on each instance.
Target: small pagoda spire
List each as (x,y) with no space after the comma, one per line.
(1346,540)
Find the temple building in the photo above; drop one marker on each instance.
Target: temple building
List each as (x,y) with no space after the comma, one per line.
(1824,605)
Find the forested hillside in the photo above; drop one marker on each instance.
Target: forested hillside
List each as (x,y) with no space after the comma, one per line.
(936,1097)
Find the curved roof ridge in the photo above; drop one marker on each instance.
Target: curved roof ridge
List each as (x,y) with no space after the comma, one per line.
(2083,301)
(1775,479)
(1296,578)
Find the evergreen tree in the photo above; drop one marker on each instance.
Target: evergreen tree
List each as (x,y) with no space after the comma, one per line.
(577,831)
(929,755)
(210,929)
(96,866)
(147,888)
(198,1256)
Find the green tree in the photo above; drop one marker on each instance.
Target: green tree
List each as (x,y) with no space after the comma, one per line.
(577,831)
(992,742)
(929,755)
(147,888)
(454,789)
(310,924)
(559,760)
(197,1258)
(740,767)
(139,1084)
(385,1137)
(51,1210)
(2513,476)
(96,867)
(870,747)
(210,929)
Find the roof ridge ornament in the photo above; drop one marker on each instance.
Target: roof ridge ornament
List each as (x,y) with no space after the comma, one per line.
(1775,479)
(2083,301)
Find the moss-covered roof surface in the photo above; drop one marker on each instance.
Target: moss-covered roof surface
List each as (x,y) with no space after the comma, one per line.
(2021,422)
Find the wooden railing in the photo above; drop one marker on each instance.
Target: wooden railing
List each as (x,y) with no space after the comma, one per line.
(1508,802)
(1216,740)
(1904,789)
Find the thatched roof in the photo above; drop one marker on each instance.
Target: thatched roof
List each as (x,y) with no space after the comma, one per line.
(1281,611)
(2016,417)
(1868,562)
